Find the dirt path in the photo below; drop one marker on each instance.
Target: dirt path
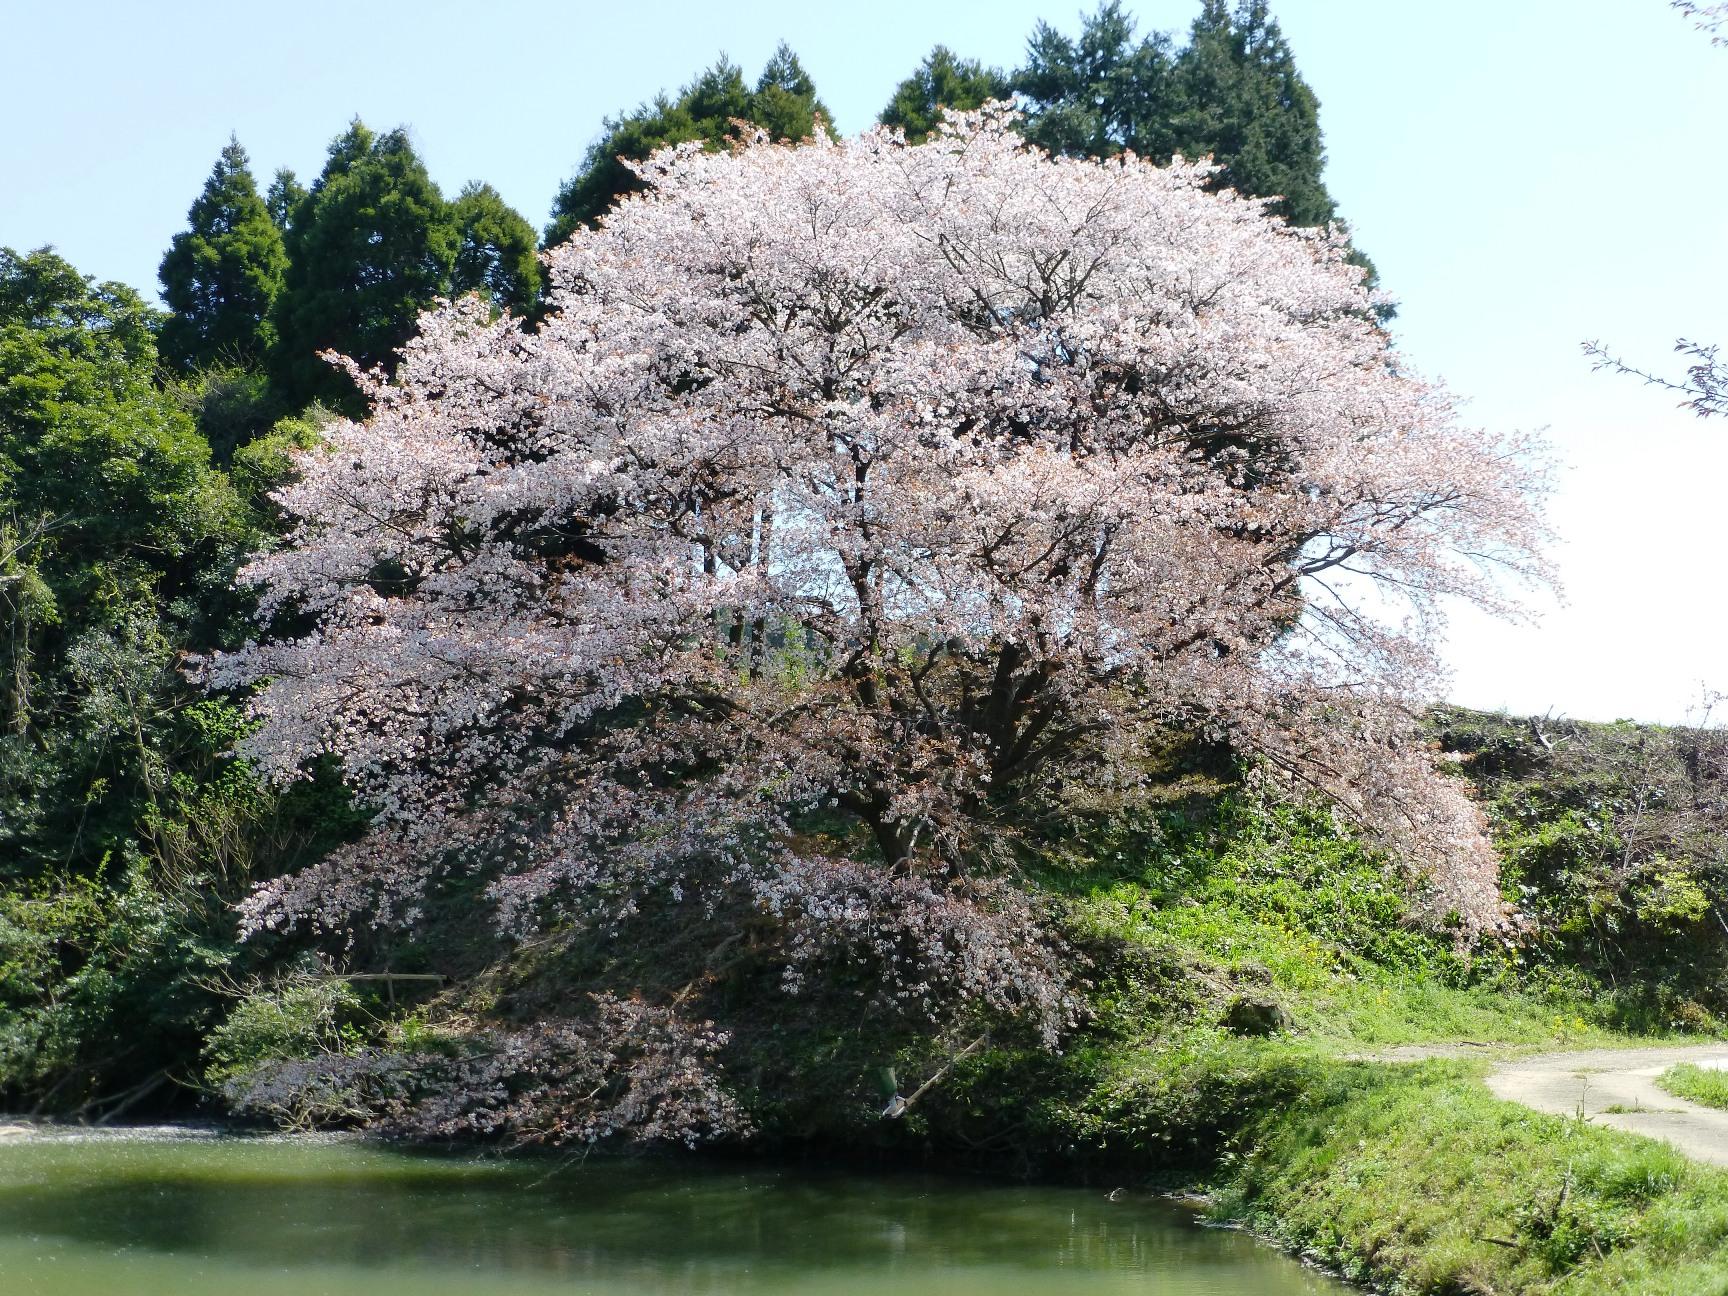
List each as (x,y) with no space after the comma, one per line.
(1617,1088)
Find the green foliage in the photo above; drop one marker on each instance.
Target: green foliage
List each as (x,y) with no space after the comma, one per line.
(1233,94)
(1240,98)
(267,462)
(496,256)
(1415,1177)
(104,989)
(1697,1084)
(1211,899)
(283,198)
(301,1012)
(230,404)
(118,537)
(221,276)
(371,245)
(1102,93)
(126,826)
(1613,841)
(66,340)
(943,80)
(783,103)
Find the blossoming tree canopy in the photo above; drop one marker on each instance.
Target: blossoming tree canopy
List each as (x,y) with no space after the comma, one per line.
(907,484)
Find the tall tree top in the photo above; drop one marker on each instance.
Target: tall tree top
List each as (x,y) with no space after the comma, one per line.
(497,254)
(1241,99)
(1232,93)
(943,80)
(1095,96)
(87,438)
(65,339)
(783,102)
(221,275)
(283,197)
(371,245)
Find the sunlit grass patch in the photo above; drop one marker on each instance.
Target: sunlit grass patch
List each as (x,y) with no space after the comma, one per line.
(1696,1084)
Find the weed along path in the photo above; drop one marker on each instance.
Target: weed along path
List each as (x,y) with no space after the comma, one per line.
(1617,1088)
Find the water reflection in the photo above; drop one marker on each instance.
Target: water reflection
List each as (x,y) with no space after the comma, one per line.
(134,1217)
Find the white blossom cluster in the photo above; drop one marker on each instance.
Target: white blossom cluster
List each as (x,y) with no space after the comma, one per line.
(899,483)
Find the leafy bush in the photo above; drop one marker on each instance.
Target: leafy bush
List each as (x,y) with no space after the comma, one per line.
(105,991)
(1615,846)
(296,1014)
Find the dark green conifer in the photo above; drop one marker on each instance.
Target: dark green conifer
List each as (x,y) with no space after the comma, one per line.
(220,276)
(497,252)
(1240,98)
(1101,94)
(943,80)
(1232,94)
(283,197)
(784,103)
(371,245)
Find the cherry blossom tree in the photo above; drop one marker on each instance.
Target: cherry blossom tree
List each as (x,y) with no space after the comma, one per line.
(905,487)
(1704,385)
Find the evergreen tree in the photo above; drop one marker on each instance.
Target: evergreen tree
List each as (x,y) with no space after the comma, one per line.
(116,543)
(1101,94)
(220,277)
(784,103)
(496,255)
(1240,98)
(371,245)
(943,80)
(127,826)
(283,198)
(1232,93)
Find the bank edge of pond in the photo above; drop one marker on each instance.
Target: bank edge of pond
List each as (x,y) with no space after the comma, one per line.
(1409,1177)
(1413,1178)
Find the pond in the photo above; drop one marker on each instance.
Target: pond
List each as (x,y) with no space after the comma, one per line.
(154,1214)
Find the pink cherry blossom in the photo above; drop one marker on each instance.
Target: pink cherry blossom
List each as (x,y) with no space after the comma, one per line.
(913,485)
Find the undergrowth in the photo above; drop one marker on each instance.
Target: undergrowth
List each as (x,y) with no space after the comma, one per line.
(1415,1177)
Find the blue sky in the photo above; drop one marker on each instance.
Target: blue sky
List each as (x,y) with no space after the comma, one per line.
(1526,173)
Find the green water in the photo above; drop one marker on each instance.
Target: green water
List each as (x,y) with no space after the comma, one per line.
(158,1216)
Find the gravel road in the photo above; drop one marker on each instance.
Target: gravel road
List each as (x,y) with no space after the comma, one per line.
(1617,1088)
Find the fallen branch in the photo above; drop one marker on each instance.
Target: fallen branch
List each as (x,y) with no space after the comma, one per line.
(898,1107)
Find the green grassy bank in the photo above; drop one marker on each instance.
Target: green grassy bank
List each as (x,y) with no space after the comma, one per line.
(1696,1084)
(1416,1179)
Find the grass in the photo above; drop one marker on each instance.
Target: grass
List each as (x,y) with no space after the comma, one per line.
(1416,1178)
(1697,1084)
(1276,901)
